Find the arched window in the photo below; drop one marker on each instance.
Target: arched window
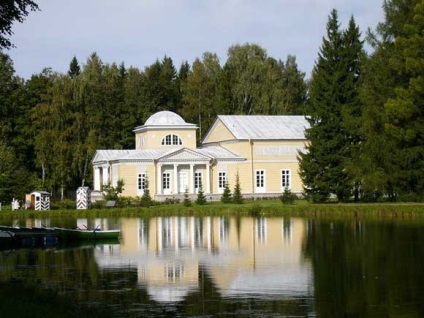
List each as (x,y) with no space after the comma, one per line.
(171,140)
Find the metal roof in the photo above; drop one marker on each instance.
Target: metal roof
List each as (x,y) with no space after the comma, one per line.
(165,118)
(265,127)
(110,155)
(218,153)
(215,152)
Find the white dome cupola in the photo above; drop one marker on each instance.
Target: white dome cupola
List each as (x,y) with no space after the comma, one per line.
(165,129)
(165,118)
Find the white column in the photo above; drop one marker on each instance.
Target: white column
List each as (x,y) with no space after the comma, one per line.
(208,178)
(159,179)
(192,178)
(96,179)
(105,175)
(175,179)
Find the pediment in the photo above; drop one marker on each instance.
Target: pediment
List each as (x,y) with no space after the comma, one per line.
(184,155)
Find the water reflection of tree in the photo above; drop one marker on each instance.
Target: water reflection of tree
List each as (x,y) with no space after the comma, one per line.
(367,269)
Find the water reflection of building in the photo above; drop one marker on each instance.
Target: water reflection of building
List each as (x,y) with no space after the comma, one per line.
(258,256)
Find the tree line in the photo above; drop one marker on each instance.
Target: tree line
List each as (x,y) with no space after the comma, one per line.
(52,123)
(365,109)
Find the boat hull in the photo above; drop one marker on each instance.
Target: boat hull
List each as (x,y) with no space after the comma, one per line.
(70,234)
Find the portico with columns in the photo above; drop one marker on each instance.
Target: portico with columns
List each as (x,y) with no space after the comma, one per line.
(184,170)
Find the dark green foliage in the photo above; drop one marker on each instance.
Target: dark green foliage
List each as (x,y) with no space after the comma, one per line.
(186,201)
(391,156)
(11,11)
(333,115)
(146,199)
(288,197)
(112,193)
(201,198)
(74,68)
(237,196)
(227,196)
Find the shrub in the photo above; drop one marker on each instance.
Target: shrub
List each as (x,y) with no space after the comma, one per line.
(237,196)
(186,201)
(227,196)
(201,198)
(288,197)
(112,193)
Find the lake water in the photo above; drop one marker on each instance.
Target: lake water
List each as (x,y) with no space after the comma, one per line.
(234,267)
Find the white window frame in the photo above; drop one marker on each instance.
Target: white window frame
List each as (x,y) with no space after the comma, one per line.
(286,179)
(141,182)
(171,140)
(260,181)
(222,181)
(166,182)
(198,180)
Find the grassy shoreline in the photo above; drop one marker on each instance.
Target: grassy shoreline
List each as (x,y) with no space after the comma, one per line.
(265,208)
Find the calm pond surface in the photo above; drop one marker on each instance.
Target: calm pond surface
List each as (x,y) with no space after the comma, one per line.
(234,267)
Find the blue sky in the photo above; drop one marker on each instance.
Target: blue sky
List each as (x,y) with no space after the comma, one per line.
(137,32)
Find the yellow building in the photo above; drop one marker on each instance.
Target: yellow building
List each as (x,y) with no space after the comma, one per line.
(261,150)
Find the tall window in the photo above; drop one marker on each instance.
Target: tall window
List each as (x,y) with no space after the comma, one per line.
(141,181)
(197,180)
(171,140)
(260,179)
(166,180)
(285,179)
(222,179)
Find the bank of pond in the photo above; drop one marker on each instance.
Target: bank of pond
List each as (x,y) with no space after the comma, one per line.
(266,208)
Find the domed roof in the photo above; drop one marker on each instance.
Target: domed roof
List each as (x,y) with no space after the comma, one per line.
(165,118)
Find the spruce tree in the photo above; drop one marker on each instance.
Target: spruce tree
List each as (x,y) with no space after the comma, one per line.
(201,198)
(74,68)
(381,157)
(405,110)
(186,201)
(227,197)
(237,196)
(146,199)
(333,98)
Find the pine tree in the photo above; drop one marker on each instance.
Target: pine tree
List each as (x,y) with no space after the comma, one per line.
(186,201)
(237,196)
(201,198)
(227,196)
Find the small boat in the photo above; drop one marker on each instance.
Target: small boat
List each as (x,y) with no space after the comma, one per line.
(86,234)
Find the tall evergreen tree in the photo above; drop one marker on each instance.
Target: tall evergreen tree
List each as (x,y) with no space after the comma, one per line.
(405,110)
(74,68)
(332,94)
(380,162)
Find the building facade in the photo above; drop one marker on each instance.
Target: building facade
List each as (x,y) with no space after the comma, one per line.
(261,150)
